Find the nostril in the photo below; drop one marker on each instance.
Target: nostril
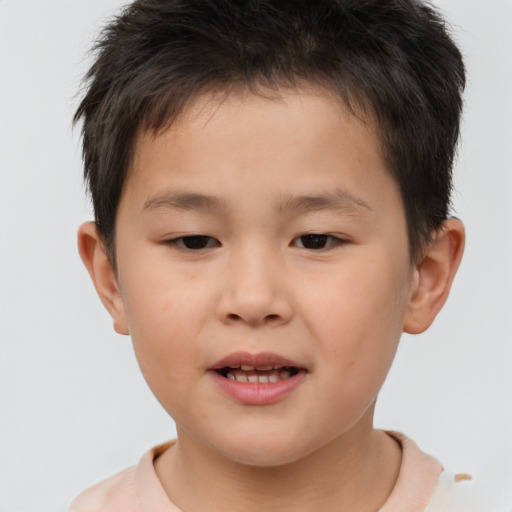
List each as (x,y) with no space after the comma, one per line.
(268,318)
(251,310)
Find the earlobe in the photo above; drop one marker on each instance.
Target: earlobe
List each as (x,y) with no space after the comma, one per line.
(102,274)
(434,275)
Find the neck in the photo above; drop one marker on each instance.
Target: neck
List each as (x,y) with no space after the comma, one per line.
(354,472)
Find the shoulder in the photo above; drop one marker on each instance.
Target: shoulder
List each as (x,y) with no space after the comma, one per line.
(133,490)
(424,485)
(115,494)
(460,493)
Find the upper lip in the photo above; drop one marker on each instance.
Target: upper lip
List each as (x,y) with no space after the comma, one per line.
(237,359)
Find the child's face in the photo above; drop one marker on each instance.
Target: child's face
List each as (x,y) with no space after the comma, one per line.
(299,254)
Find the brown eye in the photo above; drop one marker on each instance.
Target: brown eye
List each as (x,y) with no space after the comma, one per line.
(316,241)
(195,242)
(313,241)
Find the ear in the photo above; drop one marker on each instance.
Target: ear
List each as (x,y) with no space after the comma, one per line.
(103,276)
(433,276)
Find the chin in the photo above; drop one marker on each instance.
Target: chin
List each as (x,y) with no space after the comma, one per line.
(263,460)
(263,451)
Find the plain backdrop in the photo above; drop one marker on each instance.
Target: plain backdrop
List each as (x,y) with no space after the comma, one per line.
(73,406)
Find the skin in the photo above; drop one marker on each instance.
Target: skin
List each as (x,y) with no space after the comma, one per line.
(259,286)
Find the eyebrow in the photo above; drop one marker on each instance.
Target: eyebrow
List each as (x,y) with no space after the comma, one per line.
(335,200)
(183,201)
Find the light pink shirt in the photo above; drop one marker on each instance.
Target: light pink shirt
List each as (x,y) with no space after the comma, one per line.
(138,489)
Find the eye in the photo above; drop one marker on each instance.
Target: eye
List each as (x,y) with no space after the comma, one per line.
(194,242)
(316,241)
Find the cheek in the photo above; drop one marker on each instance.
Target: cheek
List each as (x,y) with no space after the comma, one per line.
(166,315)
(355,309)
(357,319)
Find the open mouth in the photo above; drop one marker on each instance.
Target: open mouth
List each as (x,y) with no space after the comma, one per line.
(257,374)
(263,378)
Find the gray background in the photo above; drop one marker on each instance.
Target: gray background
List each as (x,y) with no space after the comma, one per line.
(73,407)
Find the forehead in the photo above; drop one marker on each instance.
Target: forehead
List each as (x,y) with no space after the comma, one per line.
(316,108)
(245,140)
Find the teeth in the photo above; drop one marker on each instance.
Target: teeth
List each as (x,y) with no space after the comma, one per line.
(248,368)
(255,378)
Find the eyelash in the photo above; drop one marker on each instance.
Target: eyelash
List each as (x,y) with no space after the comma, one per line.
(315,237)
(180,242)
(205,242)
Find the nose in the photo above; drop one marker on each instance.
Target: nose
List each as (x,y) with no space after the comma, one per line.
(254,291)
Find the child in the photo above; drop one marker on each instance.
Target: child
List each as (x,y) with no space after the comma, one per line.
(271,184)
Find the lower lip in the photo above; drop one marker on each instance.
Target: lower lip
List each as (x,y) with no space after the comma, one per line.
(258,393)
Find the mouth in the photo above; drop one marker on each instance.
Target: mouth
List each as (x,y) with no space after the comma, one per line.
(261,368)
(257,379)
(264,374)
